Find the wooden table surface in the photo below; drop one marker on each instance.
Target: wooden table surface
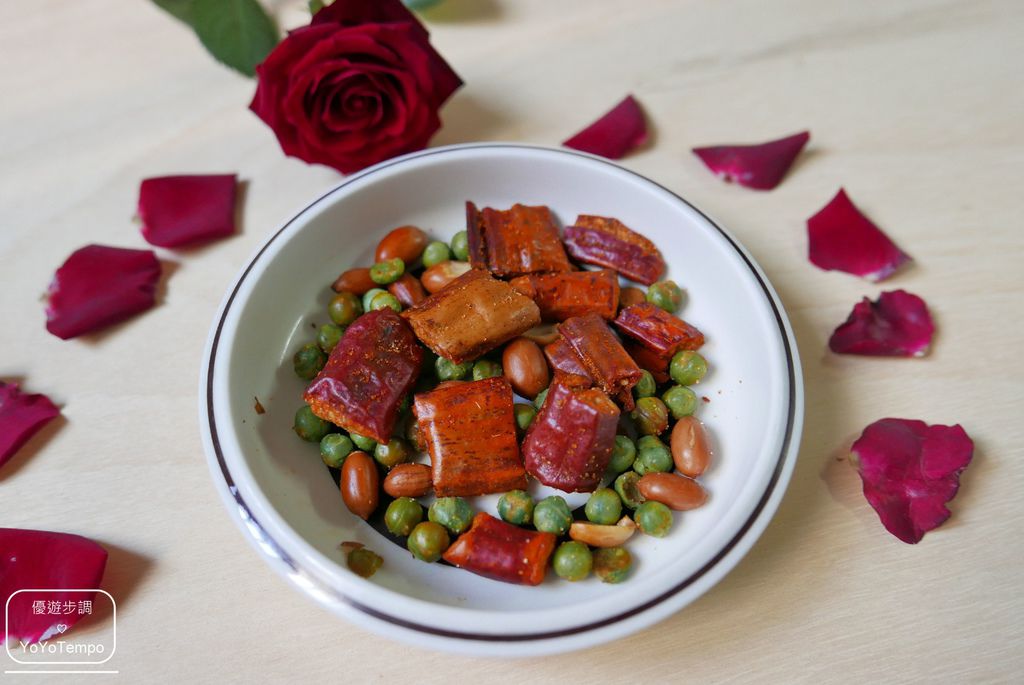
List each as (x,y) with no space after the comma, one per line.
(915,107)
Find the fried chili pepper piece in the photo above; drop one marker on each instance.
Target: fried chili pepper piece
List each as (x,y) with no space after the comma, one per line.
(574,293)
(608,242)
(602,355)
(471,316)
(659,336)
(500,551)
(515,241)
(370,370)
(470,432)
(570,442)
(563,359)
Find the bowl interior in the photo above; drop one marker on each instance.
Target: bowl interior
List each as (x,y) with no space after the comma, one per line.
(283,298)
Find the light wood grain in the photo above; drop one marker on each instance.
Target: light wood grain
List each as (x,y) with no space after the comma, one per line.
(915,107)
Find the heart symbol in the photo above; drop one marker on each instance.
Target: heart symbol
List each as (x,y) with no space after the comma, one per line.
(61,627)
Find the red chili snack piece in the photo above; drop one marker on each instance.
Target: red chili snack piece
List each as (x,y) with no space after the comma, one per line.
(602,355)
(563,358)
(659,334)
(573,293)
(500,551)
(368,373)
(609,242)
(470,432)
(570,442)
(471,316)
(515,241)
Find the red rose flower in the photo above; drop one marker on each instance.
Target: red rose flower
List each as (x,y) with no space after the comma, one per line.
(360,84)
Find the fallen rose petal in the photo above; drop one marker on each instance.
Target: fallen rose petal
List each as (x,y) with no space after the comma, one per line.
(21,417)
(896,325)
(183,210)
(910,471)
(755,166)
(36,559)
(841,238)
(614,134)
(98,286)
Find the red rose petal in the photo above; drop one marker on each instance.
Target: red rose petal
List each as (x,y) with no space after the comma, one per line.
(614,134)
(36,559)
(910,471)
(755,166)
(841,238)
(182,210)
(98,286)
(21,416)
(896,325)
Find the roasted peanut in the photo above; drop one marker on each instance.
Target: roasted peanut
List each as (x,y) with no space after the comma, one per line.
(440,275)
(544,334)
(674,491)
(525,367)
(356,281)
(408,290)
(689,445)
(597,535)
(360,483)
(405,242)
(408,480)
(628,296)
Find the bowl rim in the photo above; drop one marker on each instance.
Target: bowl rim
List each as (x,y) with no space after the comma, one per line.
(722,562)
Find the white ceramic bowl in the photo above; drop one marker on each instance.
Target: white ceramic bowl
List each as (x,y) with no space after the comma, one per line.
(284,499)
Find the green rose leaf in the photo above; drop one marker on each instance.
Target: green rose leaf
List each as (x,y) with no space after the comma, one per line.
(238,33)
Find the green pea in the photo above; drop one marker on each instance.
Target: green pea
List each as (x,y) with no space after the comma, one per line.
(363,562)
(573,561)
(653,518)
(666,295)
(369,295)
(388,271)
(657,459)
(651,416)
(485,368)
(627,487)
(345,308)
(538,401)
(389,455)
(516,507)
(328,336)
(645,441)
(460,246)
(428,541)
(334,447)
(552,515)
(435,253)
(687,367)
(680,400)
(412,434)
(402,515)
(362,442)
(447,370)
(604,507)
(454,513)
(309,426)
(612,564)
(308,361)
(525,414)
(385,300)
(623,454)
(646,386)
